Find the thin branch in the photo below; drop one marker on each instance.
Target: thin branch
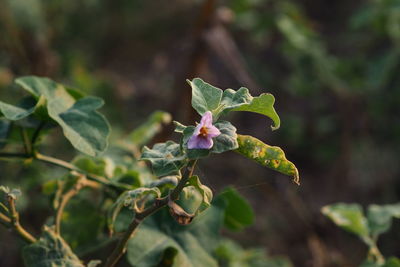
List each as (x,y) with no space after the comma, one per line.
(140,216)
(15,222)
(69,166)
(65,165)
(4,220)
(64,200)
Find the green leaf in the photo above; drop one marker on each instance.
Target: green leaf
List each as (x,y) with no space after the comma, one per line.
(238,212)
(193,244)
(263,104)
(83,126)
(188,205)
(205,192)
(349,217)
(166,158)
(380,217)
(26,107)
(226,141)
(232,254)
(165,183)
(82,221)
(392,262)
(145,132)
(103,166)
(205,97)
(272,157)
(50,251)
(233,99)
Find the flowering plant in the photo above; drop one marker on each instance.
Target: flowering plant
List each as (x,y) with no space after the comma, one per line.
(134,197)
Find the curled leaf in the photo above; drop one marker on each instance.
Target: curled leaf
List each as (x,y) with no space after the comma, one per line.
(205,192)
(179,214)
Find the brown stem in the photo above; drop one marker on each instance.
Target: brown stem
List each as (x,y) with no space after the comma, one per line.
(64,200)
(140,216)
(4,220)
(15,221)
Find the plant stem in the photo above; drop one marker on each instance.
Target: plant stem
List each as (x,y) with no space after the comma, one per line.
(4,220)
(65,165)
(15,222)
(64,200)
(140,216)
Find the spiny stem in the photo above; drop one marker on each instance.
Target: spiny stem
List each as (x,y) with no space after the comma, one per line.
(140,216)
(14,221)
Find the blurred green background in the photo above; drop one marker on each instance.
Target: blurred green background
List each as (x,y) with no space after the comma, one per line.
(333,67)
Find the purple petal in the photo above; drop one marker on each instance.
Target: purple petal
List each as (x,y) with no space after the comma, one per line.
(206,119)
(198,142)
(213,131)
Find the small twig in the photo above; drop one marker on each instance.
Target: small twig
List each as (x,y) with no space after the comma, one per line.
(64,200)
(4,220)
(14,221)
(65,165)
(140,216)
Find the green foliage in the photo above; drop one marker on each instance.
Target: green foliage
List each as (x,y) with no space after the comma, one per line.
(146,131)
(121,180)
(205,192)
(238,212)
(166,158)
(83,126)
(22,110)
(231,254)
(351,218)
(193,244)
(263,104)
(380,217)
(206,97)
(50,251)
(103,166)
(269,156)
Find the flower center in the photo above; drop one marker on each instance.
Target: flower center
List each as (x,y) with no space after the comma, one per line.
(203,131)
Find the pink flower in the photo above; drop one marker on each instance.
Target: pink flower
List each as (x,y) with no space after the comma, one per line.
(203,134)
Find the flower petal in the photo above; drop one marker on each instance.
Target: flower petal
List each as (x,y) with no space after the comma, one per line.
(206,119)
(213,131)
(198,142)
